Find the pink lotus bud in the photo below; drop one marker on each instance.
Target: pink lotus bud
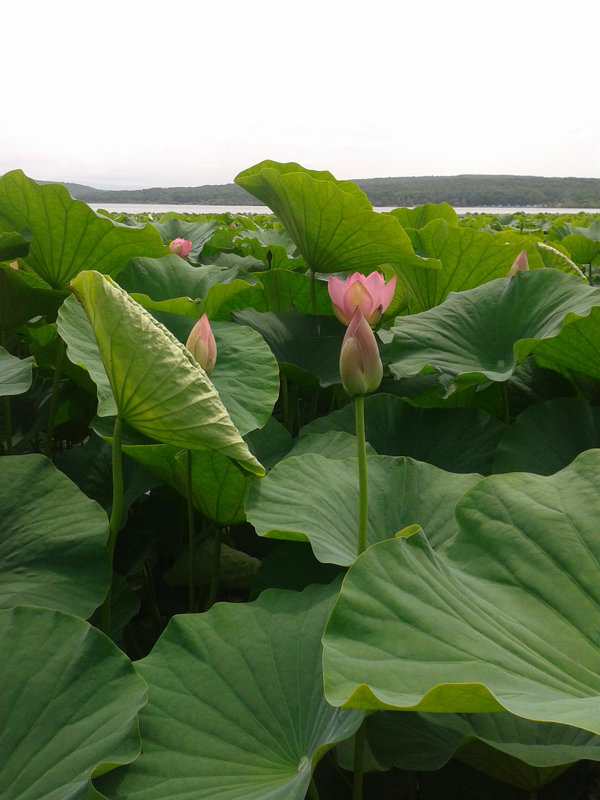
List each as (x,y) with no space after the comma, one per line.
(180,247)
(520,263)
(370,293)
(201,344)
(360,366)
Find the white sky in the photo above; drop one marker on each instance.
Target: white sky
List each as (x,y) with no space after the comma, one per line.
(187,92)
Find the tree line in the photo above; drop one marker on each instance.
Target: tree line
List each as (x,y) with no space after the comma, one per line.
(458,190)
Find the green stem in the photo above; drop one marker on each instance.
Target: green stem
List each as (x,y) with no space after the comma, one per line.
(60,354)
(313,291)
(191,537)
(150,588)
(359,749)
(115,517)
(505,408)
(6,404)
(410,784)
(285,402)
(361,452)
(313,793)
(214,570)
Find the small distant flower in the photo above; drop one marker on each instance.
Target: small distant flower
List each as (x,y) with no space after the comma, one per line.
(14,264)
(360,365)
(201,344)
(180,247)
(370,293)
(520,263)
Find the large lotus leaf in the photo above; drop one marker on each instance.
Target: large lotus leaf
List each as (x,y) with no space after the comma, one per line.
(13,245)
(576,349)
(454,439)
(236,708)
(307,347)
(546,437)
(15,373)
(316,498)
(290,291)
(332,227)
(505,619)
(68,236)
(273,247)
(68,705)
(23,296)
(82,349)
(469,258)
(522,752)
(253,180)
(198,233)
(158,386)
(419,216)
(583,249)
(52,539)
(219,488)
(484,333)
(171,277)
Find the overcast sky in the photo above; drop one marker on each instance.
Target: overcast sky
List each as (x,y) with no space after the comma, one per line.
(189,92)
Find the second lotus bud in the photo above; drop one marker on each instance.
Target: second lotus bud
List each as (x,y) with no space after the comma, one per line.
(201,344)
(180,247)
(360,365)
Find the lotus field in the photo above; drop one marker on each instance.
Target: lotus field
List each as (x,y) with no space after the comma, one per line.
(302,505)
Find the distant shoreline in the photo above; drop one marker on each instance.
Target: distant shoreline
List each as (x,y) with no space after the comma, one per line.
(462,191)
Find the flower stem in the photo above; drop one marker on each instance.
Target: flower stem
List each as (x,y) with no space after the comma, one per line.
(313,291)
(115,518)
(60,354)
(191,537)
(361,452)
(359,749)
(215,567)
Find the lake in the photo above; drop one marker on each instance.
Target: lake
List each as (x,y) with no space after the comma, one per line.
(157,208)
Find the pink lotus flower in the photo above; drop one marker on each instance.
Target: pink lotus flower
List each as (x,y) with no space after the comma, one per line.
(360,365)
(520,263)
(201,344)
(370,293)
(180,247)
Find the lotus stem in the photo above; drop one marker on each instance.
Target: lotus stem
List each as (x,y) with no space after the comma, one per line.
(359,750)
(191,532)
(214,570)
(313,291)
(363,494)
(115,518)
(313,793)
(60,354)
(505,407)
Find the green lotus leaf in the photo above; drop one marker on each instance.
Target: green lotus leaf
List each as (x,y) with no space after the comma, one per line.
(504,619)
(68,236)
(307,347)
(219,488)
(235,703)
(311,497)
(13,245)
(456,439)
(583,249)
(576,349)
(332,444)
(458,339)
(52,539)
(158,386)
(68,705)
(198,233)
(15,373)
(546,437)
(23,296)
(469,258)
(332,224)
(524,753)
(419,216)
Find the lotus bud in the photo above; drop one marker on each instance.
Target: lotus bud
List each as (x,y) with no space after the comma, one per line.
(201,344)
(520,263)
(370,293)
(361,369)
(180,247)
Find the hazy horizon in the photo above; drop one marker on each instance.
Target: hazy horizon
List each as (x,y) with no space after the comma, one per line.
(129,96)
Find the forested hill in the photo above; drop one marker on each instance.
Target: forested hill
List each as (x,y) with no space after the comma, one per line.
(458,190)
